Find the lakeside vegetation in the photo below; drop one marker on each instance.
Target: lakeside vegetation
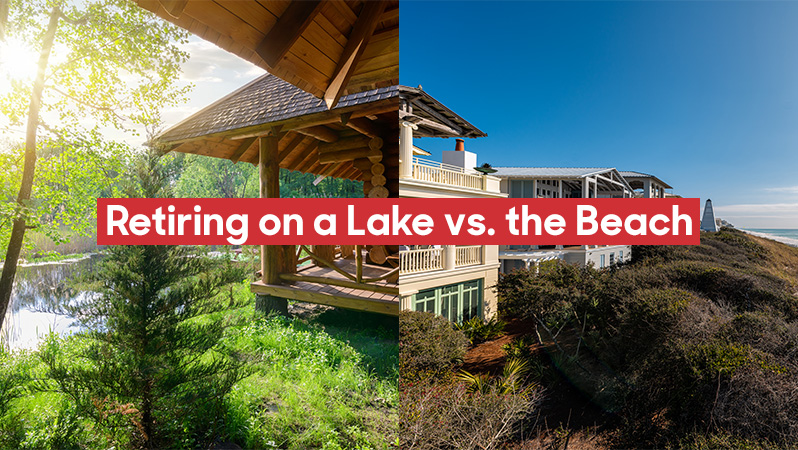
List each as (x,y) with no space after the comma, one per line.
(326,381)
(684,347)
(172,354)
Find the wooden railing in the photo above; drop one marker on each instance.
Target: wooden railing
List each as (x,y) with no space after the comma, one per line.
(435,172)
(422,260)
(325,255)
(468,255)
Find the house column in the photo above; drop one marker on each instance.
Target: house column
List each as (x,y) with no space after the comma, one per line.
(595,188)
(535,188)
(647,189)
(270,255)
(559,188)
(585,188)
(406,149)
(449,257)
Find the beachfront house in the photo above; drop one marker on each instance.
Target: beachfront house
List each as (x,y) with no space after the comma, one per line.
(646,185)
(453,281)
(572,182)
(329,107)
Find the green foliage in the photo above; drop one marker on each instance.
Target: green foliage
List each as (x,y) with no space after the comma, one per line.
(152,363)
(300,185)
(311,389)
(98,44)
(519,347)
(428,342)
(309,386)
(510,382)
(206,177)
(684,338)
(478,330)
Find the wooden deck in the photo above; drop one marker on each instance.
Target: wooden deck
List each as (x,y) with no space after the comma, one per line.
(297,287)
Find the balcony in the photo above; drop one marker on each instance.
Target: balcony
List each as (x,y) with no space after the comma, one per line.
(436,172)
(447,257)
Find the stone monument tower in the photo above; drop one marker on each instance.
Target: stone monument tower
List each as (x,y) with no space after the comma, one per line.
(708,219)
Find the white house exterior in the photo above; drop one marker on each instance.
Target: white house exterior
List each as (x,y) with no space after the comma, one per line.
(453,281)
(457,281)
(646,185)
(572,182)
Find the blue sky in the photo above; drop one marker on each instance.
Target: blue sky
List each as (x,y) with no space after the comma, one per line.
(702,94)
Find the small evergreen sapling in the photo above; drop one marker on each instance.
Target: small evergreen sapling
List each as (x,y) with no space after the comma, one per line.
(153,363)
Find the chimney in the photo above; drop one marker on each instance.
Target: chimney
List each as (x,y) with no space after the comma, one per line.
(459,157)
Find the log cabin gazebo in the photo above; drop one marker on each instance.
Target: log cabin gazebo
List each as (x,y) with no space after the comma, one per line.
(329,107)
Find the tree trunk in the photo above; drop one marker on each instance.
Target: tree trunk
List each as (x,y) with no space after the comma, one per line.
(26,186)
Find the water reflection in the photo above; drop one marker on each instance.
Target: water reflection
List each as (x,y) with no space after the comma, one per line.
(39,291)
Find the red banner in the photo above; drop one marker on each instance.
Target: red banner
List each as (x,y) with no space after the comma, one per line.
(404,221)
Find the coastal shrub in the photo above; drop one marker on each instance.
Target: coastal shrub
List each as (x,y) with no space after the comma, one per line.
(428,342)
(520,347)
(478,331)
(699,341)
(448,414)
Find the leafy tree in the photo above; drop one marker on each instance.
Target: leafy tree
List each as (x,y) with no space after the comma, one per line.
(113,65)
(300,185)
(153,351)
(207,177)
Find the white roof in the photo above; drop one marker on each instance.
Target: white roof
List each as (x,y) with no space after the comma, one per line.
(553,172)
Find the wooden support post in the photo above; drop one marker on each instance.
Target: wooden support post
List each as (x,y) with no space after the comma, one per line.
(271,255)
(359,263)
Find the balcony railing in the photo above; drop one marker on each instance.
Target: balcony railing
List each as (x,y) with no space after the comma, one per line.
(434,259)
(468,255)
(436,172)
(422,260)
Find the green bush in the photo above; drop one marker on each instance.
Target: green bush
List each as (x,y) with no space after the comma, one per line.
(520,347)
(478,331)
(691,338)
(428,343)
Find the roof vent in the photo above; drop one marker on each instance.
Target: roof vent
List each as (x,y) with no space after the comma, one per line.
(459,145)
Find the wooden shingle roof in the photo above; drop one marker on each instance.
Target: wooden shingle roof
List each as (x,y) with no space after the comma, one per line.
(265,100)
(268,106)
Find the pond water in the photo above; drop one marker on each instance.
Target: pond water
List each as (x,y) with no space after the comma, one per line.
(39,290)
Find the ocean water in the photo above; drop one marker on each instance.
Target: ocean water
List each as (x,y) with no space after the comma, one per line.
(788,236)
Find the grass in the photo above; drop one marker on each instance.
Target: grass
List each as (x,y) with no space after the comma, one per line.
(38,245)
(329,382)
(314,386)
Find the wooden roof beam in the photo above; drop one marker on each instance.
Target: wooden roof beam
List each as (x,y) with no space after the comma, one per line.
(390,14)
(319,132)
(298,138)
(307,158)
(289,27)
(437,116)
(174,7)
(242,148)
(361,33)
(363,126)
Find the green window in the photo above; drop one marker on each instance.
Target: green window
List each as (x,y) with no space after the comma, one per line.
(457,302)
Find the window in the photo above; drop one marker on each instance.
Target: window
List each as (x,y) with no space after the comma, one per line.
(425,301)
(457,302)
(612,258)
(602,261)
(620,256)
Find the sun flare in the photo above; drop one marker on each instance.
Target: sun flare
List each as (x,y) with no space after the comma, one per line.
(17,60)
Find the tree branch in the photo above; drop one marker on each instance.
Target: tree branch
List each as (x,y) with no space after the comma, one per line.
(85,103)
